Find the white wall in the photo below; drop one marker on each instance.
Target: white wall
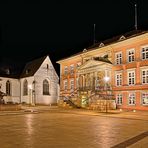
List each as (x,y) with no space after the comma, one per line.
(51,76)
(15,89)
(36,97)
(28,98)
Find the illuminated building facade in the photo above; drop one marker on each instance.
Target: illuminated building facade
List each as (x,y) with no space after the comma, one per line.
(123,59)
(38,83)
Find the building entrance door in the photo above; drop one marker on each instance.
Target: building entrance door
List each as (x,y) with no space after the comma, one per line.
(84,101)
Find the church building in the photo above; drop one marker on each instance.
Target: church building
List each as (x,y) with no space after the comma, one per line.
(37,83)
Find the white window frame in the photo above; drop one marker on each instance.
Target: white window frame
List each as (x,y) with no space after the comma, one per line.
(145,53)
(65,70)
(144,79)
(66,85)
(133,55)
(118,58)
(132,98)
(72,69)
(119,99)
(71,84)
(131,78)
(118,79)
(144,95)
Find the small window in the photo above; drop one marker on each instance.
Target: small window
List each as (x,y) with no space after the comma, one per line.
(118,58)
(131,55)
(144,53)
(119,99)
(118,79)
(8,88)
(145,76)
(71,69)
(47,66)
(65,70)
(144,98)
(72,84)
(65,85)
(131,99)
(131,78)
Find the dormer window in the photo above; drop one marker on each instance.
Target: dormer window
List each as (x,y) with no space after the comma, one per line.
(101,45)
(27,71)
(122,38)
(8,71)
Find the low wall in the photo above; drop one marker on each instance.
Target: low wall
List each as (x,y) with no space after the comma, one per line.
(10,107)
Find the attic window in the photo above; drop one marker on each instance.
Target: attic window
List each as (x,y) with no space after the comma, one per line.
(27,71)
(101,45)
(47,66)
(122,37)
(8,71)
(84,50)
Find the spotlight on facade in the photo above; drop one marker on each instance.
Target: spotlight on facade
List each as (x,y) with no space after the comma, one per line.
(30,86)
(106,79)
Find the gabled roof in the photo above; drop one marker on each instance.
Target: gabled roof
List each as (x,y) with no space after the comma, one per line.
(31,67)
(116,39)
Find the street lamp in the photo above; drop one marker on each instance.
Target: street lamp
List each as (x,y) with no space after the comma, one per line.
(30,94)
(106,79)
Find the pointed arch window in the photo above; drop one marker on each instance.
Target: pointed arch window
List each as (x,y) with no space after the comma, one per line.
(8,88)
(46,87)
(25,88)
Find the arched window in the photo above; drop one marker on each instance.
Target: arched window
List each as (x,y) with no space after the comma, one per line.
(46,88)
(25,88)
(8,88)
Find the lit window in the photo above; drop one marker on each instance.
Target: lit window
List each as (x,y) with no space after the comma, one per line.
(71,69)
(46,88)
(131,55)
(145,98)
(119,99)
(145,76)
(65,85)
(131,99)
(118,58)
(118,79)
(145,53)
(8,88)
(72,84)
(25,88)
(131,78)
(65,70)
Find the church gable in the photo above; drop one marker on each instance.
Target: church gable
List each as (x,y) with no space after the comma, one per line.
(47,68)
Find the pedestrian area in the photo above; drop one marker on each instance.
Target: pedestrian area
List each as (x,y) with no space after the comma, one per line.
(50,126)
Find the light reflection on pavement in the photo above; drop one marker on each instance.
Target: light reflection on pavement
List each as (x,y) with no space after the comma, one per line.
(61,130)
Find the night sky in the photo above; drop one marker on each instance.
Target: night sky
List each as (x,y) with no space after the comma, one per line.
(34,29)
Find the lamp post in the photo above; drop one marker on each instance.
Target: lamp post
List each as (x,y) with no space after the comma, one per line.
(106,79)
(30,94)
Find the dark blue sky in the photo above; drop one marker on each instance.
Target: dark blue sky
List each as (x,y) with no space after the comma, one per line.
(30,30)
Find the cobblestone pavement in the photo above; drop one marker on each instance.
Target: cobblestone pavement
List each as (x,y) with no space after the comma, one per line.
(58,128)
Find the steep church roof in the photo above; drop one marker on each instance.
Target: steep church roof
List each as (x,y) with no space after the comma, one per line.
(31,67)
(17,70)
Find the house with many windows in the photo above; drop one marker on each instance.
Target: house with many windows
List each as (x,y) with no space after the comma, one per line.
(122,59)
(37,83)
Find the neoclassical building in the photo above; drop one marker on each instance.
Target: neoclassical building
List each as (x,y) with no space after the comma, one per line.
(38,83)
(114,69)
